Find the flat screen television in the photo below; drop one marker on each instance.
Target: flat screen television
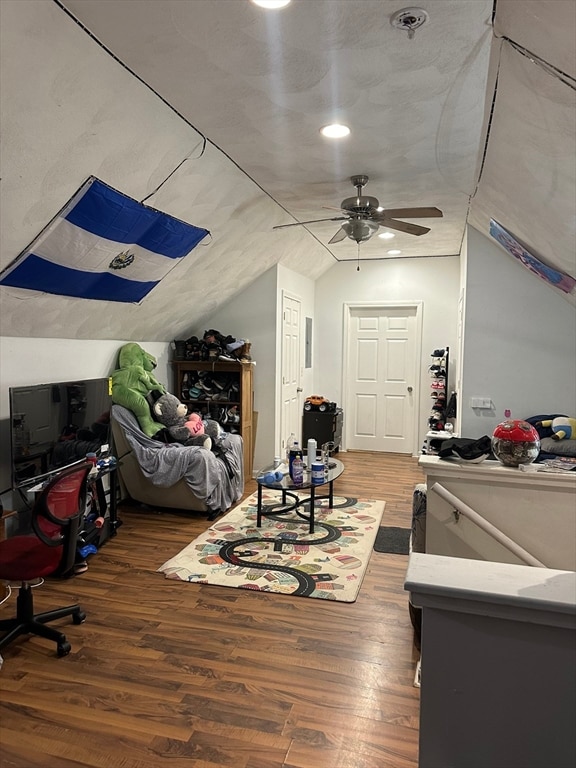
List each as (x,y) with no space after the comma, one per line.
(55,425)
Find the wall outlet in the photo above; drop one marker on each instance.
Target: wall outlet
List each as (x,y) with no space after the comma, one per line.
(481,402)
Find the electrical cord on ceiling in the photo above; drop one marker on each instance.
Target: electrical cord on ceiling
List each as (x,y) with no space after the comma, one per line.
(550,69)
(180,164)
(488,131)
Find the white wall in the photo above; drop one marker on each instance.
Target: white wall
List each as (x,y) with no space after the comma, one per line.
(251,315)
(255,313)
(519,341)
(39,361)
(435,282)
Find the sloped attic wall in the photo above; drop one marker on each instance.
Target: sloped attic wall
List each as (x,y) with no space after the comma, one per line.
(68,111)
(528,180)
(519,340)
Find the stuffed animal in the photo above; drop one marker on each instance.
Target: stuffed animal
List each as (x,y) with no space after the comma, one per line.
(563,427)
(133,381)
(184,428)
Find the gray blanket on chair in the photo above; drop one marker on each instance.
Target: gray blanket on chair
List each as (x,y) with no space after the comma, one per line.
(164,464)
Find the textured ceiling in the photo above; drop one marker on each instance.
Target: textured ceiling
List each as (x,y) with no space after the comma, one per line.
(260,84)
(210,110)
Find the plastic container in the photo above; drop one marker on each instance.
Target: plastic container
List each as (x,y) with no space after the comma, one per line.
(311,449)
(297,471)
(290,445)
(295,453)
(317,472)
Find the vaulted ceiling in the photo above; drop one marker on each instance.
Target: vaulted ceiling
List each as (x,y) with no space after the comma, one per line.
(473,114)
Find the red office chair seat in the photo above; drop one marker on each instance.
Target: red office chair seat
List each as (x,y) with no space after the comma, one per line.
(22,560)
(50,550)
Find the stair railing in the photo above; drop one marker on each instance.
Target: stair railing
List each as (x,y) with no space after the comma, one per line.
(460,508)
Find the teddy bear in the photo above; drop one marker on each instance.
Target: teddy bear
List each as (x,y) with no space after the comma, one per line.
(182,427)
(564,428)
(133,382)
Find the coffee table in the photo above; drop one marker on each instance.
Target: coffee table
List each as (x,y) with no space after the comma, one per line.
(304,507)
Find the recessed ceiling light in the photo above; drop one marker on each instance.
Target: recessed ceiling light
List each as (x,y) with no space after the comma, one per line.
(386,235)
(335,131)
(271,4)
(393,253)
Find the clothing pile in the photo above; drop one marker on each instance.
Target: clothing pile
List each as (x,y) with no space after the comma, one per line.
(215,346)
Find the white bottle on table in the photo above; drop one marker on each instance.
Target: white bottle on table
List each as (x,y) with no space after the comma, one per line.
(311,449)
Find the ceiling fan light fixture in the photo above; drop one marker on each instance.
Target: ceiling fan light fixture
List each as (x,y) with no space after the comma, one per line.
(386,235)
(271,4)
(359,230)
(335,131)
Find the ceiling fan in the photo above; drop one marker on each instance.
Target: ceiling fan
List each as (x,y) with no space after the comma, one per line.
(363,216)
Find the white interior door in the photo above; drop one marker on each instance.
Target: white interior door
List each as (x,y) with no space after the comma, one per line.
(291,413)
(382,378)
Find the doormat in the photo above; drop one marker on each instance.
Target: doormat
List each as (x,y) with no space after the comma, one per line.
(394,541)
(282,556)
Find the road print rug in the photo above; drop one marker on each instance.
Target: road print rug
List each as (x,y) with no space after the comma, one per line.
(282,556)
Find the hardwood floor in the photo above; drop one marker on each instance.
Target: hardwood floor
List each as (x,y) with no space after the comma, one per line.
(170,674)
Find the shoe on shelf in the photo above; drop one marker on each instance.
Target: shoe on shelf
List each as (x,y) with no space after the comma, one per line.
(220,382)
(244,352)
(233,415)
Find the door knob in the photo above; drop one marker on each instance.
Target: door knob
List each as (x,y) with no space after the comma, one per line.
(298,389)
(409,389)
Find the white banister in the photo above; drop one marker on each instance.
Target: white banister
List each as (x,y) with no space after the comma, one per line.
(490,529)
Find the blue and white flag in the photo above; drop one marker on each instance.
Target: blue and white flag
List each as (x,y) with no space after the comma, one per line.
(103,245)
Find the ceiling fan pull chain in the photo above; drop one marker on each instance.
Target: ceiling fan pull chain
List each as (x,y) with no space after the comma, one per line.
(358,265)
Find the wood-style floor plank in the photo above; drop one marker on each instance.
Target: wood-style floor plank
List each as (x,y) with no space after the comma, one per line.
(165,673)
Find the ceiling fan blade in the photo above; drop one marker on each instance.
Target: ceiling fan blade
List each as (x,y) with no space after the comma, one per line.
(403,226)
(312,221)
(340,235)
(411,213)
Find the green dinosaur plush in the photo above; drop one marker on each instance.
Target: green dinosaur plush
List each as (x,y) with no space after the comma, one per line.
(133,381)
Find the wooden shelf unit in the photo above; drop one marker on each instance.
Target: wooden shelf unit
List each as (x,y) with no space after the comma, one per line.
(187,374)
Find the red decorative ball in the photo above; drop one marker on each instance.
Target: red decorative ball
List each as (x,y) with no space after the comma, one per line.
(515,442)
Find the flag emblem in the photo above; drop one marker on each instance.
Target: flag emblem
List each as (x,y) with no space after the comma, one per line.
(122,260)
(85,251)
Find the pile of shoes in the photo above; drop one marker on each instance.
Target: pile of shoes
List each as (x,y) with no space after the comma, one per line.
(437,370)
(202,385)
(215,346)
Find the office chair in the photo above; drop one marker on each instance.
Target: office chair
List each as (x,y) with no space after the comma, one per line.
(49,550)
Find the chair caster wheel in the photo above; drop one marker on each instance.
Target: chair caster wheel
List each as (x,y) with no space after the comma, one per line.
(64,649)
(79,618)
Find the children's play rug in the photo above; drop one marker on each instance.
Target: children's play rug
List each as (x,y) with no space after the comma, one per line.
(282,556)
